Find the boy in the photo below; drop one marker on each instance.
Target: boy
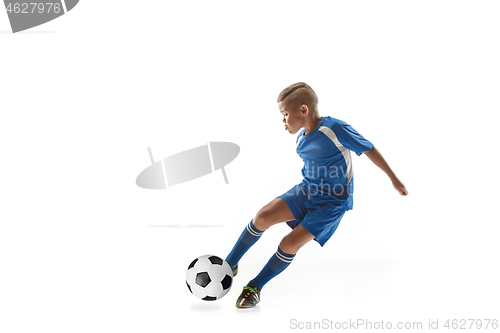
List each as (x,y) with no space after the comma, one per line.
(313,208)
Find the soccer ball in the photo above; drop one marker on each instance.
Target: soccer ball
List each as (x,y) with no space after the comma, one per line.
(209,277)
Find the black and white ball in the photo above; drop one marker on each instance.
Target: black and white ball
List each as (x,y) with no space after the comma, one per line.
(209,277)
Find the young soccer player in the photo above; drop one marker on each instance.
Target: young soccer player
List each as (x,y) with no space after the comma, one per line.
(313,208)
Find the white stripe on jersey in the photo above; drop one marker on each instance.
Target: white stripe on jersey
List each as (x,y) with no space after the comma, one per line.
(345,152)
(298,141)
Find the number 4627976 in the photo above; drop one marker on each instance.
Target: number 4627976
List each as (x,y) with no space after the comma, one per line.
(471,324)
(34,7)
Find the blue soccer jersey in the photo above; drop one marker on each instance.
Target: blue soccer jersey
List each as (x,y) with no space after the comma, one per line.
(327,158)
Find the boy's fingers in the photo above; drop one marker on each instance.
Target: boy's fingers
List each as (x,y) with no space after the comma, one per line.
(400,187)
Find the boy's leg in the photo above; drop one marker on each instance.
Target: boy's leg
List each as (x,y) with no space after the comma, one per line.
(292,242)
(274,212)
(287,249)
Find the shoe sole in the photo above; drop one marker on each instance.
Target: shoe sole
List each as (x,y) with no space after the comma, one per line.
(245,306)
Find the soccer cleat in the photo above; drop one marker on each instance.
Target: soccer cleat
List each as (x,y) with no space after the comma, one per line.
(249,297)
(235,271)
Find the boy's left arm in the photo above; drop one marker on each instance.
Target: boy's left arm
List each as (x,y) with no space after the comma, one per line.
(377,158)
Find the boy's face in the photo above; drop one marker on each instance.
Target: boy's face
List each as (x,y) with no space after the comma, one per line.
(293,118)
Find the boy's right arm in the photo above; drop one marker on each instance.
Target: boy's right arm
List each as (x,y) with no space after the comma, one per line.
(377,159)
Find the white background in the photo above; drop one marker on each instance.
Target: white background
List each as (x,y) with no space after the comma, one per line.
(83,249)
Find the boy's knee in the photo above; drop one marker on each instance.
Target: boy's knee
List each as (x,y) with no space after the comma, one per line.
(263,220)
(289,245)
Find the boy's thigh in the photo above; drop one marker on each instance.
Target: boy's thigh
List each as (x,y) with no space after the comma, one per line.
(274,212)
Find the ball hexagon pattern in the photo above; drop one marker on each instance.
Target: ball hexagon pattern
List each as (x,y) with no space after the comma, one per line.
(209,277)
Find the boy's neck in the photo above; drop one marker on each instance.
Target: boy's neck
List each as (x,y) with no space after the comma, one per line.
(313,124)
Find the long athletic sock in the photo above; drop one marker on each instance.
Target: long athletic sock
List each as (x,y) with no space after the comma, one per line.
(248,237)
(277,264)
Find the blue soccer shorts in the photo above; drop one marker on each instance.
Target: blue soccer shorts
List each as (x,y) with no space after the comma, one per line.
(318,213)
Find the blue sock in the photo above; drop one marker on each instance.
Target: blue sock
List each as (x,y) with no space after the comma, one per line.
(277,264)
(248,237)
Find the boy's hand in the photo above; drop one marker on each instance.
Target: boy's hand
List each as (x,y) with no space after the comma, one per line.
(377,158)
(399,186)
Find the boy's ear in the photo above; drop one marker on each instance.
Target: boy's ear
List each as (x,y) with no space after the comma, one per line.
(304,109)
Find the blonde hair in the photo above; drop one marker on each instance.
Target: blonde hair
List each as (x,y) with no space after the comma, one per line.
(299,93)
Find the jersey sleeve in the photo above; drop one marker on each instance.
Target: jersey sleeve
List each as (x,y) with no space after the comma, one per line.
(352,140)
